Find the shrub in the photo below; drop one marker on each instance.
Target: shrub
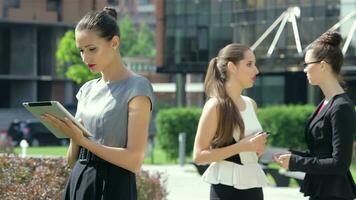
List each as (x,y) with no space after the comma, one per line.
(32,178)
(151,187)
(286,124)
(45,178)
(171,122)
(5,144)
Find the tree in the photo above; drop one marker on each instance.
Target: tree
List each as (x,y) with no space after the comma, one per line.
(128,36)
(145,45)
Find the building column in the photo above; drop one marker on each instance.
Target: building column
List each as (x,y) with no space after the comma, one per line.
(312,94)
(23,62)
(180,89)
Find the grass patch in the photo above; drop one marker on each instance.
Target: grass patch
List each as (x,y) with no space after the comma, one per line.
(44,151)
(160,157)
(353,170)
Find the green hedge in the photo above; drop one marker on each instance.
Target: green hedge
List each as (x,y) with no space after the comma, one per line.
(170,122)
(286,124)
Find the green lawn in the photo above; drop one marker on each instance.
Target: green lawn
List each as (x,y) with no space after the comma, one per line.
(159,157)
(44,151)
(353,170)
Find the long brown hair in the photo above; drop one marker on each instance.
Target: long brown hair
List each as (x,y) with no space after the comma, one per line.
(216,77)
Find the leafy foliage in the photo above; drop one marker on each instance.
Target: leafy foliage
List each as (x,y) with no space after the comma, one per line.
(67,53)
(32,178)
(128,36)
(144,45)
(286,124)
(151,186)
(171,122)
(45,178)
(6,144)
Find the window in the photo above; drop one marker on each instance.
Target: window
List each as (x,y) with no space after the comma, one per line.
(5,38)
(12,4)
(267,86)
(144,2)
(9,4)
(113,2)
(53,5)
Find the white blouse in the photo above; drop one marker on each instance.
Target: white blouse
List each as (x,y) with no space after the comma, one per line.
(246,176)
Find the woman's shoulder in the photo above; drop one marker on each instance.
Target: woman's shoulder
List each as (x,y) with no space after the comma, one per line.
(211,104)
(246,98)
(249,99)
(212,101)
(342,100)
(342,104)
(138,80)
(139,86)
(87,85)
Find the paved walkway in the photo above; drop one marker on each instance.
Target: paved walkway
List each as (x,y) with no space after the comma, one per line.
(184,183)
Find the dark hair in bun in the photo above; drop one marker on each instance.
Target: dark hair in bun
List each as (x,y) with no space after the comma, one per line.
(327,48)
(110,11)
(331,38)
(103,22)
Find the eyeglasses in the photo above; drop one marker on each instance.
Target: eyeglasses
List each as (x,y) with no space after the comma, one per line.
(308,63)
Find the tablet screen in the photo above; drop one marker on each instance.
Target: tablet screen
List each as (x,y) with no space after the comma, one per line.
(55,108)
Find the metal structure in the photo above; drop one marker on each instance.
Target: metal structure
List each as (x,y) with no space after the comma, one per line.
(289,15)
(351,32)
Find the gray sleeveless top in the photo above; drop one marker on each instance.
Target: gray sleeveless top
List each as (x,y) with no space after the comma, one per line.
(104,107)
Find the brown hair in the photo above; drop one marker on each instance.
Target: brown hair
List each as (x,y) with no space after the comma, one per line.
(327,48)
(104,22)
(216,76)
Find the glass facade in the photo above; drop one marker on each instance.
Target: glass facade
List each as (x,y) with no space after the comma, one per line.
(195,30)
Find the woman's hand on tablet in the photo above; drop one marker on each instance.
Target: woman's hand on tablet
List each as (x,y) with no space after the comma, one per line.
(66,126)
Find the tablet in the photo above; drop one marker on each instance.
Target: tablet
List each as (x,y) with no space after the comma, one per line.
(55,108)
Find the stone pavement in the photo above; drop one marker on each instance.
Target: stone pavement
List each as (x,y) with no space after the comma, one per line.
(184,183)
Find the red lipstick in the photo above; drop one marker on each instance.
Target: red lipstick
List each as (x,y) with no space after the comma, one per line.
(91,66)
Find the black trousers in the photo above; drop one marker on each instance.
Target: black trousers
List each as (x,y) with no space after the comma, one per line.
(225,192)
(100,181)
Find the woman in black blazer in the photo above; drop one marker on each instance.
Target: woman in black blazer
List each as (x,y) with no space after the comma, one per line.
(330,130)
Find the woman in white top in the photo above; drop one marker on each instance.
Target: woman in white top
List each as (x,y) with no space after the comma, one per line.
(227,135)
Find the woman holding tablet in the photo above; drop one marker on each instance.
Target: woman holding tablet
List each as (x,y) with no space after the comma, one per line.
(114,108)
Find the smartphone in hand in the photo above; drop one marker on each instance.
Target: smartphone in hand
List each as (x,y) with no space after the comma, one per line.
(266,132)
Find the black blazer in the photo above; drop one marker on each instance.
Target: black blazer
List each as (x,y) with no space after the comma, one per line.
(329,136)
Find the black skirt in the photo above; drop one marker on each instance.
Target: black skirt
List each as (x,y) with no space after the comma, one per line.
(100,181)
(226,192)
